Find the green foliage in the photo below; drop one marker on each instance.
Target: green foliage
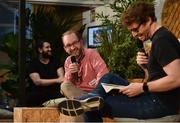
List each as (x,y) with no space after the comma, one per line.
(46,23)
(9,45)
(50,22)
(120,53)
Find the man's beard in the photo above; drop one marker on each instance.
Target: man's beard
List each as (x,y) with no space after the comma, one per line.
(46,55)
(79,55)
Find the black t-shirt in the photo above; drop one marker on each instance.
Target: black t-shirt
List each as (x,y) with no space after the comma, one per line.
(165,48)
(36,95)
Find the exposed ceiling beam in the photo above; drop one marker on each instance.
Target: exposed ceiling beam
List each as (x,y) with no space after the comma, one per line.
(84,3)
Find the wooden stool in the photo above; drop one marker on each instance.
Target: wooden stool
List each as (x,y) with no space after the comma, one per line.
(42,114)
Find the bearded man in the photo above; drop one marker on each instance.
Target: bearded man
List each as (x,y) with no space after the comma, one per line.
(46,75)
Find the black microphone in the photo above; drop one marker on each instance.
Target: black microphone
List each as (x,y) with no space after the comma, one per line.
(141,49)
(73,60)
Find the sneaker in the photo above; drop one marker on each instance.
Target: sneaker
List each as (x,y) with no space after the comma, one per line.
(80,105)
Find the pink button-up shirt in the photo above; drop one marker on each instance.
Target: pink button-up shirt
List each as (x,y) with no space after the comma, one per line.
(91,68)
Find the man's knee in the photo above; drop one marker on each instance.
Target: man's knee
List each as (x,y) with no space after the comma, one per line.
(65,85)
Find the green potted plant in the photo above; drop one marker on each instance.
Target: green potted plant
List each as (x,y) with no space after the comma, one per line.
(10,86)
(9,45)
(120,52)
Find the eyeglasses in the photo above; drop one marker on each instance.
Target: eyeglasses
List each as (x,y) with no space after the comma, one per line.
(72,44)
(135,29)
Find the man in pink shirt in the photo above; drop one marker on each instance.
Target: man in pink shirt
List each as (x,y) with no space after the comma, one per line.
(82,73)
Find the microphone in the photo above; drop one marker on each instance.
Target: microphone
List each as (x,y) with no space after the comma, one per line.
(143,66)
(73,60)
(141,49)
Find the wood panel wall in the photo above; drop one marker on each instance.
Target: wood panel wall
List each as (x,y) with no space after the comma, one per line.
(171,16)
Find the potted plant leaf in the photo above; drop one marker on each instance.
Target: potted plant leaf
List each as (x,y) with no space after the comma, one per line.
(120,52)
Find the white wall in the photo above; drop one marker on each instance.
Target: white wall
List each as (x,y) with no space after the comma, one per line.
(86,18)
(104,9)
(158,9)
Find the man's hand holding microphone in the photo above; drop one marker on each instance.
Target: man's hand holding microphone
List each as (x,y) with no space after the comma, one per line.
(73,67)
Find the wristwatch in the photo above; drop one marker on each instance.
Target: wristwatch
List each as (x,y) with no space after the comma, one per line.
(145,87)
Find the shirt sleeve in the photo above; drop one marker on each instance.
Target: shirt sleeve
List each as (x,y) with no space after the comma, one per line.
(57,63)
(98,64)
(166,51)
(32,67)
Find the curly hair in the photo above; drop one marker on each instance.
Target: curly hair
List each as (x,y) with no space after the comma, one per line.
(138,12)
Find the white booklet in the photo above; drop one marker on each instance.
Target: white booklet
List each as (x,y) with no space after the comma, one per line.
(109,87)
